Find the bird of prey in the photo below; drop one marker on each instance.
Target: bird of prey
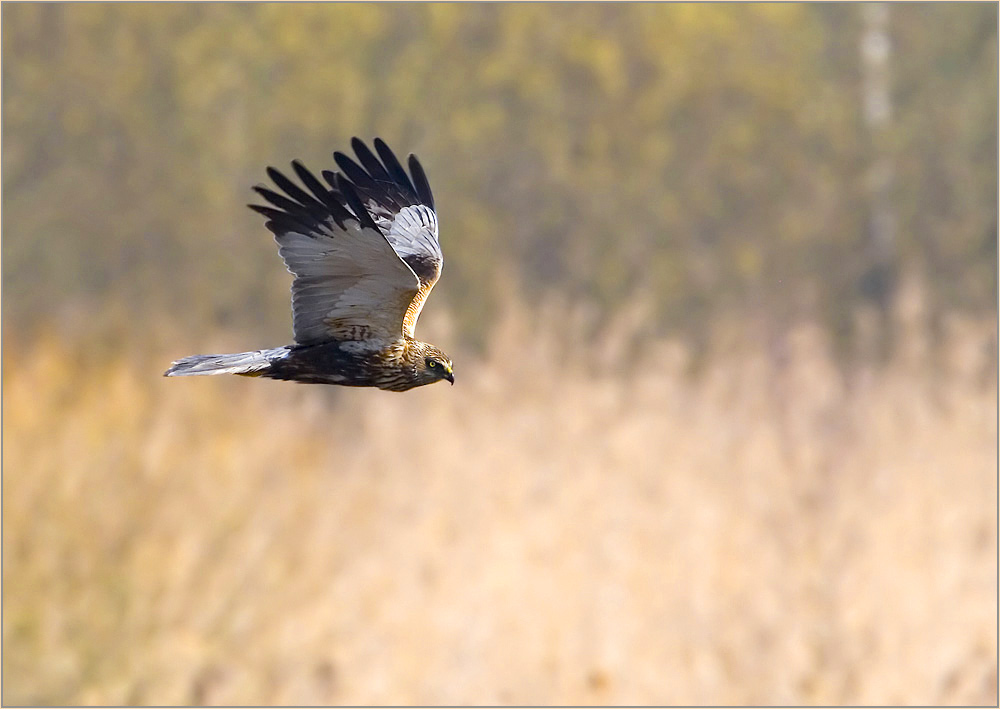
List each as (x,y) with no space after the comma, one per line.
(365,254)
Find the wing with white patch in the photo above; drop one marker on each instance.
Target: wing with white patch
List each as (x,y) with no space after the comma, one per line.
(364,251)
(403,207)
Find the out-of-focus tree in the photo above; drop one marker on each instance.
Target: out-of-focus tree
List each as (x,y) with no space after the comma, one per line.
(946,151)
(711,160)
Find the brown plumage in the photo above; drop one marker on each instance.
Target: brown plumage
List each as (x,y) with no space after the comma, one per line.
(365,255)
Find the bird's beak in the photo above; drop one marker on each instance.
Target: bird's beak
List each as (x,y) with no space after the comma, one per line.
(450,376)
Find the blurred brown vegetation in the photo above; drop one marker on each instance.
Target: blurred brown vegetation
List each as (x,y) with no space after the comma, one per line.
(725,455)
(547,531)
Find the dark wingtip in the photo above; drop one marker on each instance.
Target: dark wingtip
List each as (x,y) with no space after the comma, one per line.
(420,181)
(353,171)
(276,175)
(269,212)
(354,201)
(395,169)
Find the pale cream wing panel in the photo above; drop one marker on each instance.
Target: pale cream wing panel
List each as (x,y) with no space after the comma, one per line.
(349,284)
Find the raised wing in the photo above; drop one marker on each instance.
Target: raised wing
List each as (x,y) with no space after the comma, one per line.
(403,209)
(364,250)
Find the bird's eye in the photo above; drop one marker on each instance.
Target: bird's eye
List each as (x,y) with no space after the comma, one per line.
(432,363)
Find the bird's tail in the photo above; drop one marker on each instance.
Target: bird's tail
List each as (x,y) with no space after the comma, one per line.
(250,364)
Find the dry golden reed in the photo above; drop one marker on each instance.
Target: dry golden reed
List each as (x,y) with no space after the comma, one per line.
(553,529)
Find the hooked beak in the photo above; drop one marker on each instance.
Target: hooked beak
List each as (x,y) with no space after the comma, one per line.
(450,376)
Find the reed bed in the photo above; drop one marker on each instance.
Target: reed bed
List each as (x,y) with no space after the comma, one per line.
(573,523)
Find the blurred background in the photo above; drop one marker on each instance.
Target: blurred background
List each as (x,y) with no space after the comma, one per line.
(720,287)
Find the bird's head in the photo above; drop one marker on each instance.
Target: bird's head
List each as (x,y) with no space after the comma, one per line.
(432,364)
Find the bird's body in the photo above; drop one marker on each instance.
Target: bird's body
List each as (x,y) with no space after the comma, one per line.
(365,255)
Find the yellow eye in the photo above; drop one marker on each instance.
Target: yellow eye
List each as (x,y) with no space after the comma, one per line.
(432,363)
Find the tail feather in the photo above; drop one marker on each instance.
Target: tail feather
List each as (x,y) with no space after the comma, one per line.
(245,363)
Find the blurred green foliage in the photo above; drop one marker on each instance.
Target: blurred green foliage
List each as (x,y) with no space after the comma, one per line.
(710,159)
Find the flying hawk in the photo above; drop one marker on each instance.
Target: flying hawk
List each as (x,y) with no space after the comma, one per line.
(365,254)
